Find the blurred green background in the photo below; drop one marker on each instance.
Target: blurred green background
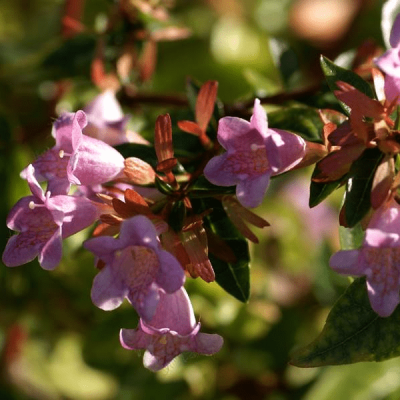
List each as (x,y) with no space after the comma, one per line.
(55,344)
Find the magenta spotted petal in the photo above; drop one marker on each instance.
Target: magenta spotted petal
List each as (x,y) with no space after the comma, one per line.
(378,259)
(42,222)
(136,268)
(171,331)
(253,154)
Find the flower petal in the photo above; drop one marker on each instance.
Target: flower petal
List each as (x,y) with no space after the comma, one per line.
(251,192)
(389,62)
(14,254)
(175,312)
(206,343)
(78,212)
(383,301)
(217,174)
(230,130)
(346,262)
(291,149)
(138,230)
(378,238)
(103,247)
(171,275)
(36,189)
(51,253)
(392,88)
(108,290)
(258,120)
(395,32)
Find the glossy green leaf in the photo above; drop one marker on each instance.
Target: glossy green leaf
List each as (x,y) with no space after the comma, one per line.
(177,216)
(234,277)
(163,187)
(319,191)
(334,73)
(358,189)
(204,188)
(353,332)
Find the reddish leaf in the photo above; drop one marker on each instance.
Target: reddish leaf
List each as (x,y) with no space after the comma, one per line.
(166,165)
(138,171)
(163,138)
(105,229)
(148,59)
(358,102)
(336,164)
(382,182)
(190,127)
(205,103)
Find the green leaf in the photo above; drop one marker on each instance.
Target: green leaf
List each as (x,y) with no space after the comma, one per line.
(177,216)
(303,120)
(204,188)
(351,238)
(334,73)
(320,191)
(234,277)
(358,189)
(163,187)
(353,332)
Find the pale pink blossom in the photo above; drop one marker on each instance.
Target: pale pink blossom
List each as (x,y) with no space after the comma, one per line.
(253,154)
(378,259)
(171,331)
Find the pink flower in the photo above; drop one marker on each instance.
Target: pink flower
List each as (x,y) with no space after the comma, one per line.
(253,154)
(378,259)
(171,331)
(42,222)
(389,63)
(106,120)
(76,158)
(136,268)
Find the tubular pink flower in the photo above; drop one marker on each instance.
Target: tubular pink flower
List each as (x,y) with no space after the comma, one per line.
(378,259)
(76,158)
(389,63)
(136,268)
(42,222)
(171,331)
(106,120)
(253,154)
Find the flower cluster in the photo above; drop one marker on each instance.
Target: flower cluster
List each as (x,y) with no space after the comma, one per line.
(162,219)
(148,234)
(370,126)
